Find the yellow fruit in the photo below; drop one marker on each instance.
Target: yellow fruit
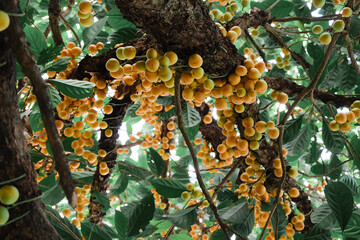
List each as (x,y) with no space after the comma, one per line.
(4,215)
(273,133)
(340,118)
(195,61)
(241,70)
(9,194)
(325,38)
(165,74)
(293,192)
(129,52)
(350,116)
(92,49)
(221,104)
(317,29)
(282,98)
(112,65)
(99,45)
(345,127)
(87,22)
(339,25)
(85,7)
(346,12)
(190,186)
(152,64)
(120,53)
(185,195)
(232,36)
(66,212)
(260,189)
(172,57)
(188,94)
(209,84)
(247,122)
(82,16)
(253,73)
(151,53)
(196,193)
(197,73)
(318,3)
(236,29)
(260,126)
(292,172)
(4,22)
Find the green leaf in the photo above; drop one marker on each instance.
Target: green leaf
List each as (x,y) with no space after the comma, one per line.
(47,183)
(282,9)
(90,33)
(53,196)
(235,214)
(96,232)
(168,187)
(244,228)
(180,237)
(36,40)
(351,183)
(300,143)
(191,117)
(103,200)
(59,65)
(122,35)
(141,215)
(137,172)
(66,233)
(334,161)
(117,21)
(355,141)
(279,221)
(48,54)
(120,185)
(352,230)
(333,142)
(83,177)
(131,111)
(121,223)
(36,122)
(292,129)
(323,216)
(183,218)
(74,88)
(155,162)
(165,100)
(192,131)
(267,206)
(166,115)
(55,98)
(341,202)
(317,233)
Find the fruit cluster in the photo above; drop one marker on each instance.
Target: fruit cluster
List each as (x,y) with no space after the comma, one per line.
(84,13)
(9,194)
(343,121)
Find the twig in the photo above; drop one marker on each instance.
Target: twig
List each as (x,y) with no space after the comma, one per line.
(63,225)
(71,29)
(30,69)
(260,51)
(272,5)
(27,17)
(192,150)
(351,54)
(54,10)
(305,19)
(327,172)
(228,175)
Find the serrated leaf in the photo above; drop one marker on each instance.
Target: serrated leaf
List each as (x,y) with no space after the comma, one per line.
(334,162)
(341,202)
(191,117)
(141,215)
(323,216)
(300,143)
(53,196)
(55,98)
(117,21)
(36,122)
(278,221)
(351,183)
(83,177)
(317,233)
(74,88)
(185,161)
(96,232)
(292,129)
(36,40)
(137,172)
(90,33)
(353,228)
(333,142)
(192,131)
(166,115)
(121,223)
(59,65)
(155,162)
(131,111)
(66,233)
(120,185)
(122,35)
(183,218)
(246,227)
(235,214)
(168,100)
(103,200)
(168,187)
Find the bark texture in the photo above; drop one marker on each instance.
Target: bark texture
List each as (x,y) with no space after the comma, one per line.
(15,159)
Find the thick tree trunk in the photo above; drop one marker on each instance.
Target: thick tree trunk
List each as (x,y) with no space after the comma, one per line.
(15,159)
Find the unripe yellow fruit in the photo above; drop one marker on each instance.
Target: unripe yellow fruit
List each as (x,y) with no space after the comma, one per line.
(318,3)
(185,195)
(4,215)
(4,20)
(9,194)
(292,172)
(317,29)
(325,38)
(112,65)
(129,52)
(87,22)
(346,12)
(85,7)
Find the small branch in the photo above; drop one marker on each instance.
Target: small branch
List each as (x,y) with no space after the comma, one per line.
(192,150)
(30,69)
(228,175)
(272,6)
(305,19)
(260,51)
(54,9)
(351,53)
(71,29)
(327,172)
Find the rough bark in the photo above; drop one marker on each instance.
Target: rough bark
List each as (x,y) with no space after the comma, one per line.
(15,159)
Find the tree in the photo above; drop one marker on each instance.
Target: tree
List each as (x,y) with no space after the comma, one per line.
(179,119)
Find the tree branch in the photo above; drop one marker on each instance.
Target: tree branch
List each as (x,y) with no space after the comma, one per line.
(54,10)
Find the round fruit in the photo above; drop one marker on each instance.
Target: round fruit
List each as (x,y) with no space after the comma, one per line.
(4,20)
(293,192)
(112,65)
(340,118)
(4,215)
(87,22)
(129,52)
(346,12)
(325,38)
(339,25)
(317,29)
(292,172)
(85,7)
(185,195)
(273,132)
(318,3)
(195,61)
(9,194)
